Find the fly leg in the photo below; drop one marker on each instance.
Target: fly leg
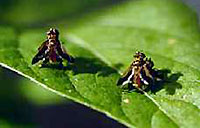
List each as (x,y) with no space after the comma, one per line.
(59,59)
(44,62)
(64,54)
(130,87)
(37,58)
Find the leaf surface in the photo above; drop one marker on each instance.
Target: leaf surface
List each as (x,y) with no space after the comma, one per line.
(103,44)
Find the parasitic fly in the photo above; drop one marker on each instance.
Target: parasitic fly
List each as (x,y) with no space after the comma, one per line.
(52,50)
(140,73)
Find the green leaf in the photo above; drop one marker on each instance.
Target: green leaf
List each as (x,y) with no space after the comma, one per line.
(103,44)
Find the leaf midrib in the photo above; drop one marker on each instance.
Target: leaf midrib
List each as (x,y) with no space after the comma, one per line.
(146,94)
(110,65)
(127,123)
(98,55)
(67,96)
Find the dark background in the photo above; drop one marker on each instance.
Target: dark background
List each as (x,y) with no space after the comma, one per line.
(23,104)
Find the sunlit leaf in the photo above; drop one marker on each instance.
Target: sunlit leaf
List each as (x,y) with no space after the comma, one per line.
(103,45)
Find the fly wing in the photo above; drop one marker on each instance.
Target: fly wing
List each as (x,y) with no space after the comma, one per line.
(41,53)
(147,76)
(126,78)
(43,47)
(143,79)
(63,53)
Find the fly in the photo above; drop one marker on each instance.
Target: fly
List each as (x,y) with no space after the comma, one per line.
(140,73)
(51,50)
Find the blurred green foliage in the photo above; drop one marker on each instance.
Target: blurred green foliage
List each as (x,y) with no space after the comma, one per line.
(18,89)
(34,12)
(17,98)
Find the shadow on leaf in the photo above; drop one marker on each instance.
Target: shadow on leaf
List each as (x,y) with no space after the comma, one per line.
(167,82)
(55,66)
(85,65)
(92,66)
